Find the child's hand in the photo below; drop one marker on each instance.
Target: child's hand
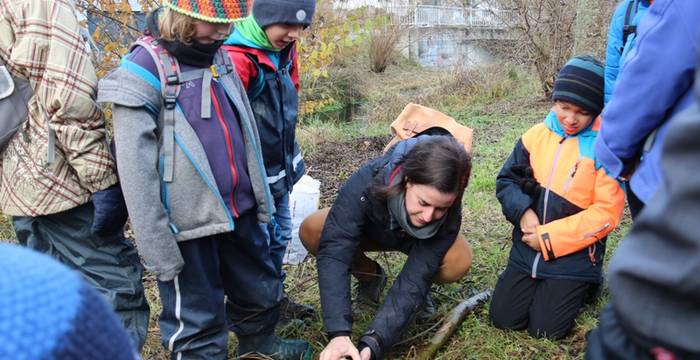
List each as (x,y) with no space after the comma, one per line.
(529,222)
(528,226)
(532,241)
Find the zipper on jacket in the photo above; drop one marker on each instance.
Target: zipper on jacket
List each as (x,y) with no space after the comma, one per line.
(229,151)
(550,177)
(596,231)
(546,200)
(570,177)
(592,248)
(534,265)
(246,126)
(285,141)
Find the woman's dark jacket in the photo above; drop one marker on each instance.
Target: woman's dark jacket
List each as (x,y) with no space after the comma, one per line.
(356,214)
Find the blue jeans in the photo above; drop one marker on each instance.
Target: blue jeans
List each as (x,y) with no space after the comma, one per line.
(195,320)
(278,247)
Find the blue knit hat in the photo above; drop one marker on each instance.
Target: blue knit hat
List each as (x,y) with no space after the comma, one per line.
(48,311)
(581,81)
(291,12)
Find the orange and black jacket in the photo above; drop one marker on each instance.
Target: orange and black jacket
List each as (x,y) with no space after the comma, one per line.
(577,203)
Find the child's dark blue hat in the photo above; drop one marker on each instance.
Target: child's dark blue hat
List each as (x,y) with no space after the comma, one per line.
(291,12)
(48,311)
(581,81)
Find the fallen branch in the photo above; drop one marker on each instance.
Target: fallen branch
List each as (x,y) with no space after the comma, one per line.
(451,323)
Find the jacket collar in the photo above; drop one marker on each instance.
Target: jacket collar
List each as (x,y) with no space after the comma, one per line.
(238,43)
(553,124)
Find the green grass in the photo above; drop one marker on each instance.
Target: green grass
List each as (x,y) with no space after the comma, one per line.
(498,118)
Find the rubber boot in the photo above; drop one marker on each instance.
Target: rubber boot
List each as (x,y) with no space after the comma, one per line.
(369,294)
(269,345)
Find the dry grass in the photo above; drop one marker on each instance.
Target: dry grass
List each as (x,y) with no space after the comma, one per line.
(383,46)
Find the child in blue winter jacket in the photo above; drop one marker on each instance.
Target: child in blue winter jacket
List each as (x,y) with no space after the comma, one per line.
(263,49)
(191,168)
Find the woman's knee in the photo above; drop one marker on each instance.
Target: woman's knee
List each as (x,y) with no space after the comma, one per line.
(311,228)
(457,261)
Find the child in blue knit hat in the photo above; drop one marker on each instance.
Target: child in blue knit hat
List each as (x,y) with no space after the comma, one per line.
(263,48)
(48,311)
(562,207)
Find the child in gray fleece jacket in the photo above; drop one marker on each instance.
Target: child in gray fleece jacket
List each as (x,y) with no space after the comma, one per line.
(193,180)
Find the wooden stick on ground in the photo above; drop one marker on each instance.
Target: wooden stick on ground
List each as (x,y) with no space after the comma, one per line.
(452,321)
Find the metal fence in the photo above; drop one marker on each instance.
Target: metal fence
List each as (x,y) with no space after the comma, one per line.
(434,16)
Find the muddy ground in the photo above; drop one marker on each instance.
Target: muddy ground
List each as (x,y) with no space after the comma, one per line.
(333,162)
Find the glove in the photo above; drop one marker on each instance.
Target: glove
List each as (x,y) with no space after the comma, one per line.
(526,179)
(110,211)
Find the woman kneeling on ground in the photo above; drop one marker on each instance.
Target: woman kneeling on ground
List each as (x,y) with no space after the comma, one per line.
(407,200)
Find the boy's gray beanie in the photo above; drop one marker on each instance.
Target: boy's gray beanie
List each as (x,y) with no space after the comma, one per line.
(292,12)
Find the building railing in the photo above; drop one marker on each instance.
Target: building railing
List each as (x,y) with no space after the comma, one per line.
(434,16)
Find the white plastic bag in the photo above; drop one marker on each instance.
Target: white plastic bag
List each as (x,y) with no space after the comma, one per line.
(303,201)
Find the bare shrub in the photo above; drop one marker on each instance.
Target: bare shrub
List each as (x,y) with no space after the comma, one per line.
(543,35)
(383,47)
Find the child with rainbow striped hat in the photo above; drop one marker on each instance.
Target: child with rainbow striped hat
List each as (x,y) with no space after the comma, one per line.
(194,183)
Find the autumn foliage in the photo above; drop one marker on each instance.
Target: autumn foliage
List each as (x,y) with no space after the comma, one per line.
(333,40)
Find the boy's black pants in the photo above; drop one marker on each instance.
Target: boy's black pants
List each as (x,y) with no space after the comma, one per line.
(195,320)
(546,307)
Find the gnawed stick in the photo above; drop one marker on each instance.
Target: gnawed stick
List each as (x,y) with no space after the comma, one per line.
(452,321)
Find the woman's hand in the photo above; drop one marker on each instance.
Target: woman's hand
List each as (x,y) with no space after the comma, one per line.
(366,354)
(341,347)
(528,225)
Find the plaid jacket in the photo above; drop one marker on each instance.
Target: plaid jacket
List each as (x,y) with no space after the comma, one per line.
(40,41)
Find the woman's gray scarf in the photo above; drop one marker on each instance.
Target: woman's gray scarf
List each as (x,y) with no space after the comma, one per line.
(399,215)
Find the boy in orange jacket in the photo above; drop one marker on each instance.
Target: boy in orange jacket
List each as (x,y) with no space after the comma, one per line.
(562,207)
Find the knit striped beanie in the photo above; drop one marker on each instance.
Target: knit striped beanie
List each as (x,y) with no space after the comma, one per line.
(213,11)
(581,81)
(48,311)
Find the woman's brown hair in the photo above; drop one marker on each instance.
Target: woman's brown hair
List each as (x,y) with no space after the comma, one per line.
(440,162)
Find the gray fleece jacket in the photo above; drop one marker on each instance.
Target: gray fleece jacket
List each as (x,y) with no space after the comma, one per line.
(190,206)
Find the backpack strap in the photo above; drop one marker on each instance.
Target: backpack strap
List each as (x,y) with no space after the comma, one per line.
(171,80)
(222,66)
(628,28)
(169,74)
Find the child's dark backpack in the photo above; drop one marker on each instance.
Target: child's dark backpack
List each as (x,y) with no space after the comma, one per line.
(171,80)
(15,94)
(14,99)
